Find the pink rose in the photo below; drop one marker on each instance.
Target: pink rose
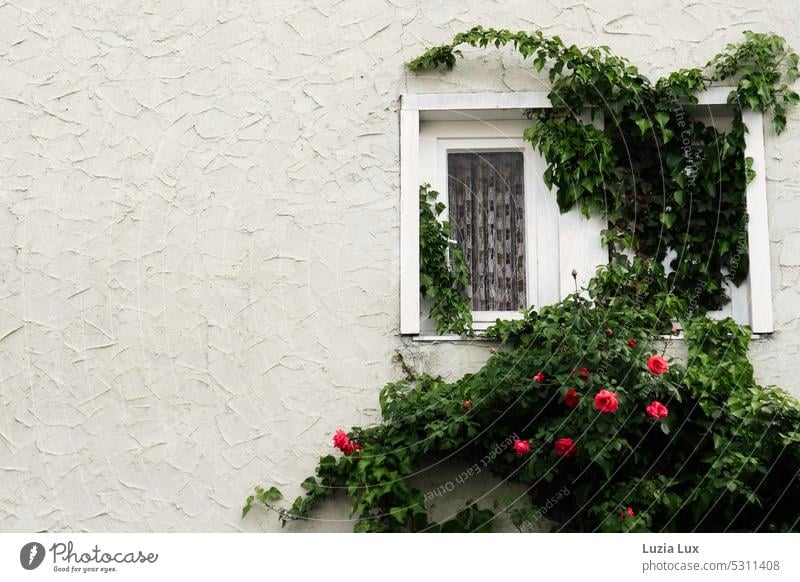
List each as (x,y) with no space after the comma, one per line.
(341,440)
(521,447)
(656,410)
(564,447)
(539,377)
(606,401)
(657,365)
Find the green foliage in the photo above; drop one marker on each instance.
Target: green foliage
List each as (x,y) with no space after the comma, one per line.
(749,447)
(724,458)
(759,65)
(469,519)
(443,271)
(662,178)
(264,496)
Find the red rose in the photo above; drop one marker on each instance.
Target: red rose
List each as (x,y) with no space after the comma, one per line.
(656,410)
(521,447)
(657,365)
(606,401)
(630,512)
(631,343)
(340,440)
(564,447)
(467,405)
(583,374)
(539,377)
(571,398)
(349,447)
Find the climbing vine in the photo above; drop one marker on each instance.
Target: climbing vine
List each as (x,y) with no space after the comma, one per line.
(581,406)
(669,185)
(443,273)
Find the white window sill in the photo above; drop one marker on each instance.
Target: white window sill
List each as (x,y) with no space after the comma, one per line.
(452,338)
(753,336)
(479,338)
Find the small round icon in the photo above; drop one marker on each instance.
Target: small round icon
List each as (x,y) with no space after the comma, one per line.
(31,555)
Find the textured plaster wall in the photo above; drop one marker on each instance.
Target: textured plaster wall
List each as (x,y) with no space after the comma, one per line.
(199,234)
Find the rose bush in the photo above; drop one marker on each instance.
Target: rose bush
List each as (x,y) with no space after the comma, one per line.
(723,457)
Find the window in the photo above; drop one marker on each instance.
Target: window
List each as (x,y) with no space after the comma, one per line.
(502,215)
(520,250)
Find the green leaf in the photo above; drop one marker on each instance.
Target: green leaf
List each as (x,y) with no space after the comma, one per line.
(668,219)
(673,160)
(269,495)
(644,124)
(247,506)
(661,117)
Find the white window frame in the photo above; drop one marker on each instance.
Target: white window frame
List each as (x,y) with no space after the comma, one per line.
(484,105)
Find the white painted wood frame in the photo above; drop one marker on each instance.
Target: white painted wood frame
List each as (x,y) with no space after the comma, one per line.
(409,219)
(758,277)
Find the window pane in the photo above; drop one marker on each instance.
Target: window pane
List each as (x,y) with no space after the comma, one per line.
(486,204)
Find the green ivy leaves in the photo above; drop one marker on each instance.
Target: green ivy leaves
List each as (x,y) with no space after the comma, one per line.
(442,281)
(263,496)
(763,67)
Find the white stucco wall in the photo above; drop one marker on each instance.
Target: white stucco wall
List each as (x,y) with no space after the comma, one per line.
(199,234)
